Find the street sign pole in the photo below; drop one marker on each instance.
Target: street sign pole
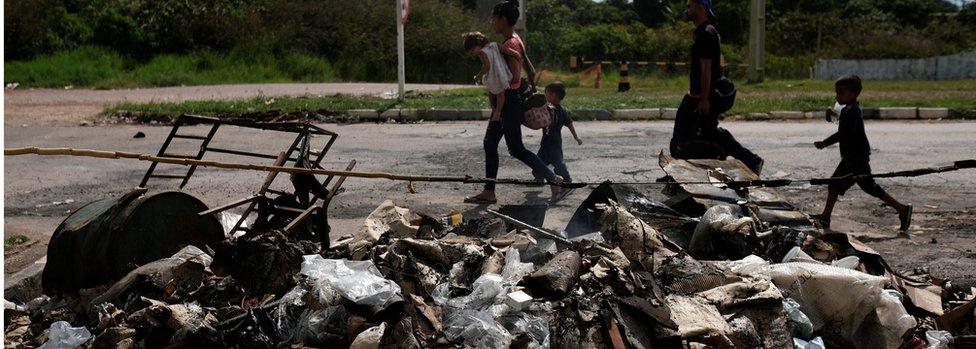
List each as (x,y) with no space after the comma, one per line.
(400,70)
(757,40)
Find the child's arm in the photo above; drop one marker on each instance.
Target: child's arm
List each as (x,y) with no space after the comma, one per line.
(499,103)
(485,65)
(572,129)
(828,141)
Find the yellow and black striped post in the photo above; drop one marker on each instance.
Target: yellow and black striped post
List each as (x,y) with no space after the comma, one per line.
(624,84)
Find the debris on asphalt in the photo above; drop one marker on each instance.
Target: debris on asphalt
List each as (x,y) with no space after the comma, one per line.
(709,267)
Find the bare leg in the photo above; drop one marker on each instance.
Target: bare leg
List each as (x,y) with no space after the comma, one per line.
(829,205)
(898,206)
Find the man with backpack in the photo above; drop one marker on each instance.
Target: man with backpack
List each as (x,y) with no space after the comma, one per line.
(696,132)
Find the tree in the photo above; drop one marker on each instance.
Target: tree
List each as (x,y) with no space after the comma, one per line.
(653,13)
(967,15)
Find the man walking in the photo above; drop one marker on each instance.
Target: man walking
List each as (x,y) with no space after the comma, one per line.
(696,132)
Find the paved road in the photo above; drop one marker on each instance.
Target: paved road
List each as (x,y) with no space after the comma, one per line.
(69,107)
(612,150)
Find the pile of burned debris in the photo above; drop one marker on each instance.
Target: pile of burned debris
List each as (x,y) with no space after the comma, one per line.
(709,267)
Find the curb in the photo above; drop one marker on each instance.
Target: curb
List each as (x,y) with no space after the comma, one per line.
(647,114)
(25,285)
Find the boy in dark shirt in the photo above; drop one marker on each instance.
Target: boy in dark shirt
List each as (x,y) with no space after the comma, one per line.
(855,154)
(551,150)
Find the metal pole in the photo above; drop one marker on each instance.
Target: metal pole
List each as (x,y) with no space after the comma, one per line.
(520,26)
(757,40)
(538,231)
(400,70)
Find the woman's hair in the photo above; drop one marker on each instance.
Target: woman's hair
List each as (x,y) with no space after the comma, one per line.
(507,9)
(474,39)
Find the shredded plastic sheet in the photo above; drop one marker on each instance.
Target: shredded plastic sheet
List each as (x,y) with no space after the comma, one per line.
(357,281)
(938,339)
(62,336)
(476,329)
(720,220)
(387,218)
(536,327)
(485,289)
(514,270)
(816,343)
(836,300)
(892,317)
(800,323)
(229,219)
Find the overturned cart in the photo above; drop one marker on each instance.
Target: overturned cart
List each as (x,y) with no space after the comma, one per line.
(698,264)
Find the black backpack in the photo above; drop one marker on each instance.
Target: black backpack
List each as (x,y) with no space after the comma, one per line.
(723,96)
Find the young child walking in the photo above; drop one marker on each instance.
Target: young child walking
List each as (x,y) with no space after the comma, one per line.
(551,149)
(855,154)
(494,72)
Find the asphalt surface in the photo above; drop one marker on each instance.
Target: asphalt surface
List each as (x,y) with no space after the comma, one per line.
(42,190)
(71,106)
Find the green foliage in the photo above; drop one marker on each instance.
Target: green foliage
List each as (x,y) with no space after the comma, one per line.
(84,66)
(15,240)
(103,68)
(805,95)
(163,42)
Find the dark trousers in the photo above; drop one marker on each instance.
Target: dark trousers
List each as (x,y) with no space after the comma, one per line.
(698,136)
(855,167)
(510,128)
(552,155)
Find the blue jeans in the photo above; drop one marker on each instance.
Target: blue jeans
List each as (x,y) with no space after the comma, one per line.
(552,154)
(510,128)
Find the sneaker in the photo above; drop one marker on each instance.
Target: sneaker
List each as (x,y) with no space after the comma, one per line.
(823,220)
(906,218)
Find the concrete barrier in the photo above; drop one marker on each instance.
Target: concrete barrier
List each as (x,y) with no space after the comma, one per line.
(474,114)
(637,114)
(669,113)
(363,113)
(450,114)
(591,114)
(441,114)
(933,113)
(957,66)
(779,114)
(898,113)
(25,285)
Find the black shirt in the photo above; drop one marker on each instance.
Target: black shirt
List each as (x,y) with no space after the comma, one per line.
(554,137)
(706,46)
(850,134)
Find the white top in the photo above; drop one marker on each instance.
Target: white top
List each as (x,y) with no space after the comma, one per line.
(498,76)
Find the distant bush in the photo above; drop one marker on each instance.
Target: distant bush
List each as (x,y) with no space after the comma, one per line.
(84,66)
(174,41)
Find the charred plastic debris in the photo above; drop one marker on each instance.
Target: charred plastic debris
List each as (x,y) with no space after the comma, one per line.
(707,267)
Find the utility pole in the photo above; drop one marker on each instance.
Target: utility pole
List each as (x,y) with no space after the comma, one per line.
(520,27)
(757,40)
(400,68)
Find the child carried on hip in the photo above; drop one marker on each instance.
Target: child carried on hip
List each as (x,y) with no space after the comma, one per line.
(494,72)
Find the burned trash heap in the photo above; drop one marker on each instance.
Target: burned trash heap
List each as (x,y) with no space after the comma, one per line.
(707,267)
